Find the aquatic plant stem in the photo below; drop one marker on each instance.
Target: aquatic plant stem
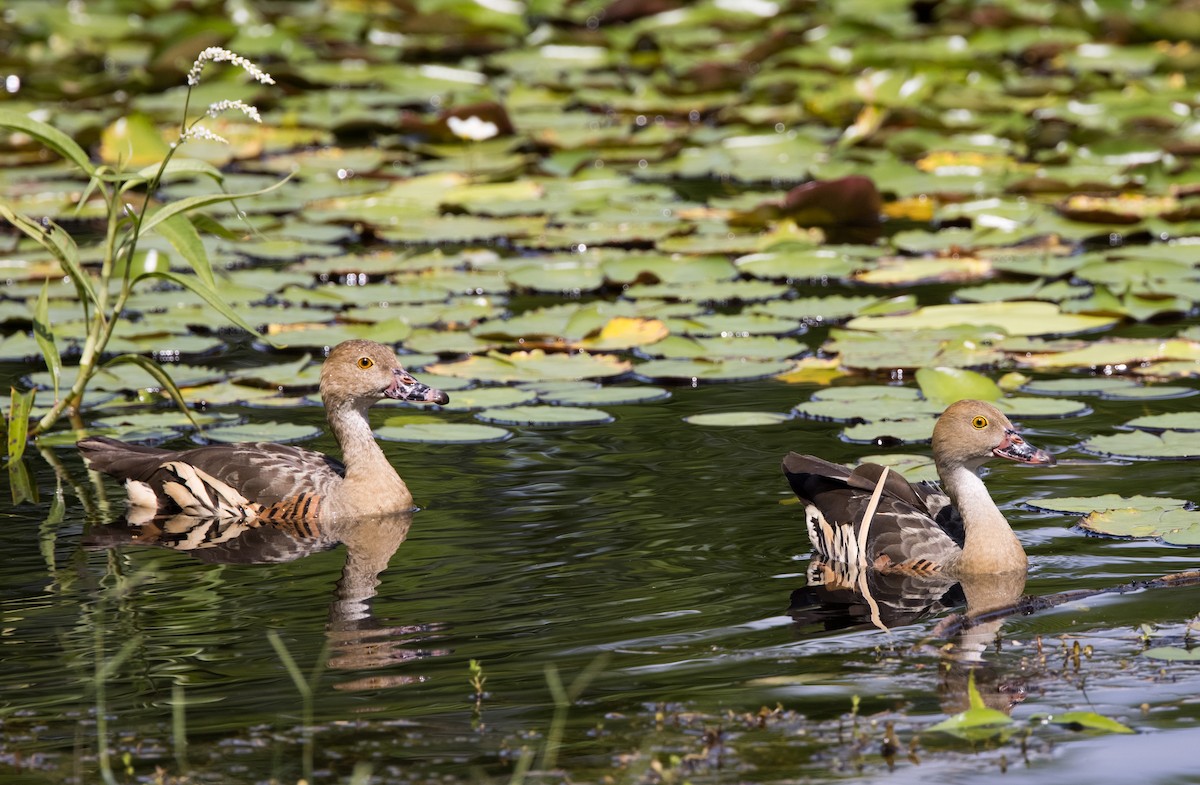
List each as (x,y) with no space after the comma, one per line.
(104,670)
(305,688)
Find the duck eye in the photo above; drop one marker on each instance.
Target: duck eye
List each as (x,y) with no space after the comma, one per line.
(365,362)
(980,422)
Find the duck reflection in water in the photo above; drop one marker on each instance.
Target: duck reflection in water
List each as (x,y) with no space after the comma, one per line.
(844,596)
(357,640)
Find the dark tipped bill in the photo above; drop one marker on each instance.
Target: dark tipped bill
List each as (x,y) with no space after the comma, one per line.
(405,388)
(1014,448)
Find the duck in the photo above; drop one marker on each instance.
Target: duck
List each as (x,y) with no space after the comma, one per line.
(266,482)
(954,528)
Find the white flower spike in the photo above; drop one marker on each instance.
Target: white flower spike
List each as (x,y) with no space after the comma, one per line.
(472,129)
(216,54)
(221,107)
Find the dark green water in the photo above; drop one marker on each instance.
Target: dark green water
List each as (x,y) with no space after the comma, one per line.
(659,546)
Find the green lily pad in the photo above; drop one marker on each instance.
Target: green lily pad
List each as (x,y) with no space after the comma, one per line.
(1021,318)
(545,415)
(907,431)
(442,433)
(1081,385)
(1145,446)
(832,307)
(756,347)
(737,419)
(279,432)
(489,398)
(700,370)
(1150,392)
(1172,653)
(710,292)
(733,325)
(1168,421)
(533,366)
(164,421)
(1107,501)
(813,264)
(1117,354)
(604,396)
(944,386)
(1172,525)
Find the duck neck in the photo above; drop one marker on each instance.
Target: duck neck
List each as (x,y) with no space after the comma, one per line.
(989,545)
(367,468)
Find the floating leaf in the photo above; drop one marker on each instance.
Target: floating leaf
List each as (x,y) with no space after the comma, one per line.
(978,721)
(489,398)
(1168,421)
(891,431)
(545,415)
(1087,720)
(442,433)
(1090,385)
(710,370)
(280,432)
(604,396)
(1116,354)
(1172,653)
(944,386)
(1142,445)
(1022,318)
(532,366)
(1107,501)
(1173,525)
(737,419)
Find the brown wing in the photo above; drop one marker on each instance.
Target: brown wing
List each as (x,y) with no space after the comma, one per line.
(263,472)
(902,531)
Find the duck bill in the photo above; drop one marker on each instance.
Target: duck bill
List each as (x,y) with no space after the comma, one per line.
(406,388)
(1014,448)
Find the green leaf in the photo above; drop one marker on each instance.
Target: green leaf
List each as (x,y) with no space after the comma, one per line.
(976,718)
(18,422)
(44,333)
(161,376)
(210,296)
(193,202)
(1172,653)
(50,136)
(183,237)
(180,166)
(23,488)
(57,241)
(1085,720)
(944,386)
(737,419)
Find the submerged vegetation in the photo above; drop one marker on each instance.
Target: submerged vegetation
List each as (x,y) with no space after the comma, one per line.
(648,247)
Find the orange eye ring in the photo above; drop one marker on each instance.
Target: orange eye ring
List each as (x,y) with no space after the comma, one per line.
(365,362)
(980,422)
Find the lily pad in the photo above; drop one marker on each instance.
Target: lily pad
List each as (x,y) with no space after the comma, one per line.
(442,433)
(1107,501)
(489,398)
(545,415)
(1173,654)
(610,395)
(891,432)
(1082,385)
(737,419)
(1021,318)
(701,370)
(279,432)
(1145,446)
(534,365)
(1172,525)
(1168,421)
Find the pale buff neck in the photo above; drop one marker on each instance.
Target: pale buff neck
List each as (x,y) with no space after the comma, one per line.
(371,485)
(990,545)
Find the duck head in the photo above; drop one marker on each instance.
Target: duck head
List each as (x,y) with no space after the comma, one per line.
(366,371)
(970,433)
